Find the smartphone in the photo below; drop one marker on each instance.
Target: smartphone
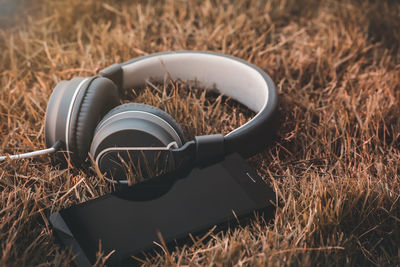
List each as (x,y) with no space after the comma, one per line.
(128,222)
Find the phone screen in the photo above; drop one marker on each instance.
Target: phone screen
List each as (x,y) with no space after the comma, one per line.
(130,222)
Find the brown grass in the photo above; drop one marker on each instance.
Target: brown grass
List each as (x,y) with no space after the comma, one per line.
(335,165)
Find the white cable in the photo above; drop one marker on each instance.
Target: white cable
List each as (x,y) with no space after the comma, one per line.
(36,153)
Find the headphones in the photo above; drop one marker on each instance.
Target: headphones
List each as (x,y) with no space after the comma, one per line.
(84,115)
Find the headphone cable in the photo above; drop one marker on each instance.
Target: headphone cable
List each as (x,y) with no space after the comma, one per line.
(36,153)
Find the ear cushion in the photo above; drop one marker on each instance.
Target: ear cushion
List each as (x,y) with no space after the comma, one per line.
(100,96)
(145,108)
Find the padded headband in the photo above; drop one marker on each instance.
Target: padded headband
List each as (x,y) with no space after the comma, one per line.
(228,76)
(233,77)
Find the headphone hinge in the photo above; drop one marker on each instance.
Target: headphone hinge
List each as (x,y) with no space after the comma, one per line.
(115,74)
(209,149)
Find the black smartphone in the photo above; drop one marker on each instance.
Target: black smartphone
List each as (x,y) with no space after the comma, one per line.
(129,221)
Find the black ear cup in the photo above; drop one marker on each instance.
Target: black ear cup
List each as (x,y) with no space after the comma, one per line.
(136,126)
(74,110)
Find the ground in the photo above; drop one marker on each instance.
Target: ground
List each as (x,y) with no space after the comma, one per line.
(335,164)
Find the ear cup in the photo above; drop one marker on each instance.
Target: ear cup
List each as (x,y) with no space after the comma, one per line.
(145,108)
(74,109)
(100,96)
(127,131)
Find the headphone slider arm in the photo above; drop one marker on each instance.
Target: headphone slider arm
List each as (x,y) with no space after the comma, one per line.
(209,149)
(184,156)
(115,74)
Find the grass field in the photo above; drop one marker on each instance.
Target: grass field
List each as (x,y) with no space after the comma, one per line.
(335,165)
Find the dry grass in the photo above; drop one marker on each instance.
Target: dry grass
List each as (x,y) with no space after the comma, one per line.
(335,165)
